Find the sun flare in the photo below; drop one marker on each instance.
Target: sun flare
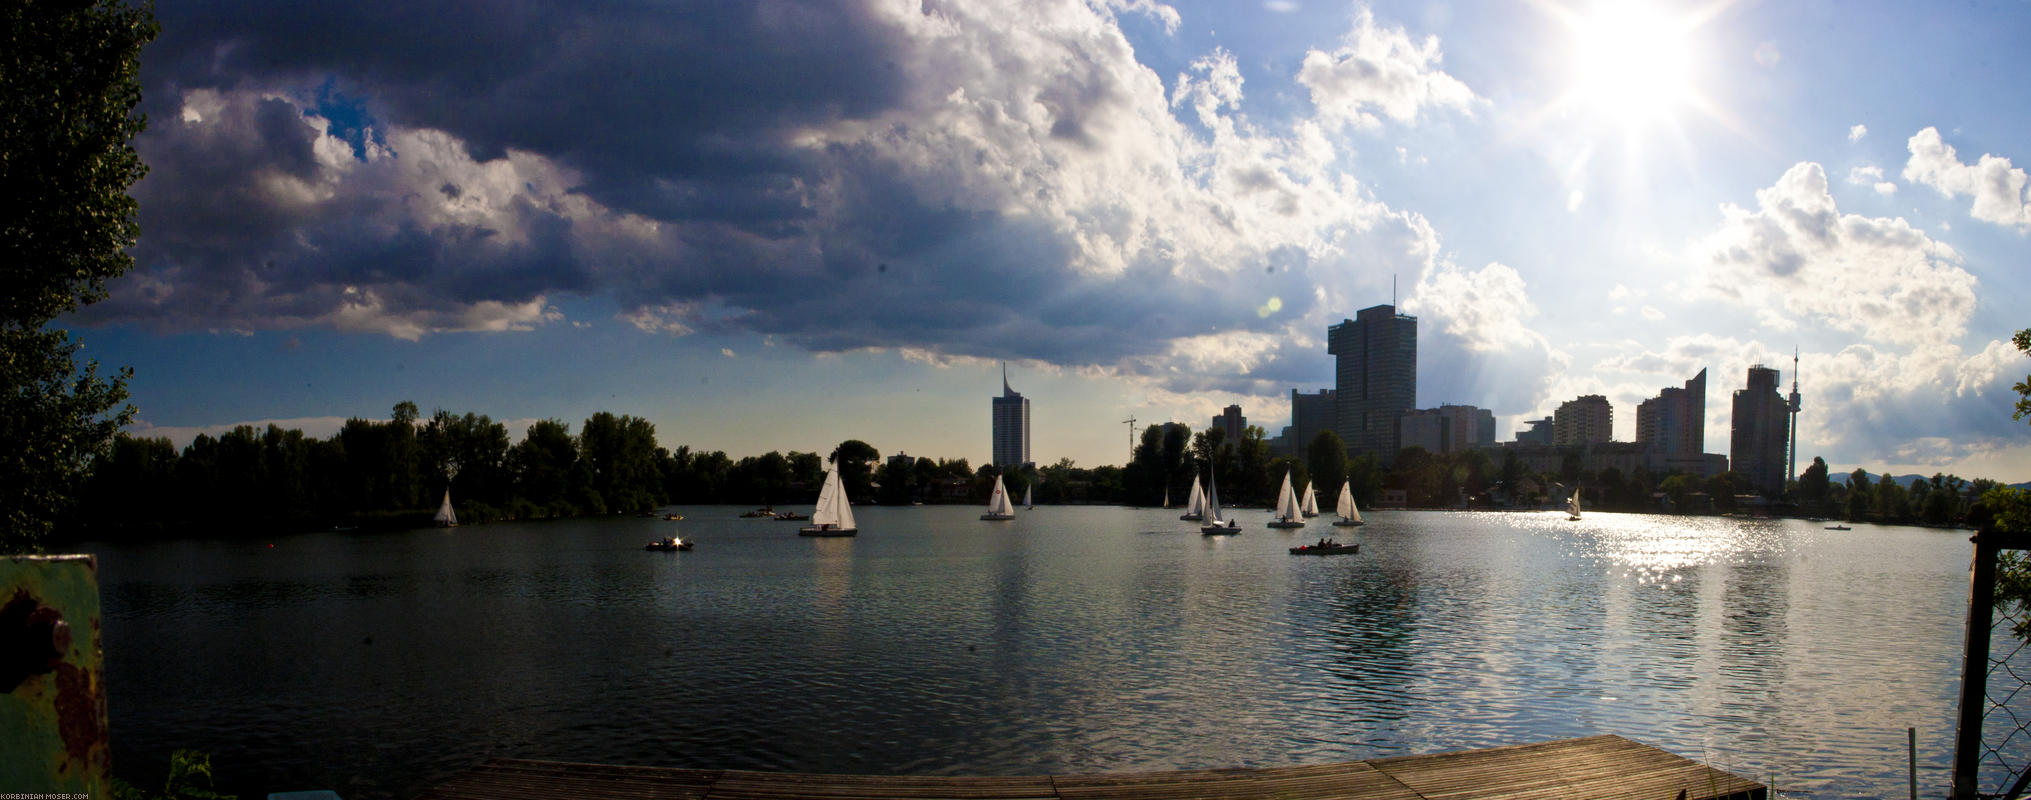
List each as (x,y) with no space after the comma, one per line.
(1633,63)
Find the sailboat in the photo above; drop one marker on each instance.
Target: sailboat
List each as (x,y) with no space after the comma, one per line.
(834,514)
(1573,505)
(1350,514)
(446,518)
(1029,497)
(1215,526)
(1310,507)
(1287,514)
(998,506)
(1195,506)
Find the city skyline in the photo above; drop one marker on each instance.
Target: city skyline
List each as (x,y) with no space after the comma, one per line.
(836,223)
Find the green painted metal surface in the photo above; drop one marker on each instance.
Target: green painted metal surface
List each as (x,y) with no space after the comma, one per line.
(52,678)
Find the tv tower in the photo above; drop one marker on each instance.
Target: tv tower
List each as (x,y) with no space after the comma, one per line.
(1791,466)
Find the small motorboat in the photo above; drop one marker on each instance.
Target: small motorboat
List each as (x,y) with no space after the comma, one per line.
(673,517)
(1328,549)
(791,516)
(1838,528)
(760,513)
(671,544)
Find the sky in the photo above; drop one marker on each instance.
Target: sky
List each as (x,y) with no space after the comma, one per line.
(777,225)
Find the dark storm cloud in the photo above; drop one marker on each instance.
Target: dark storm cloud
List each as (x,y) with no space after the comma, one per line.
(843,175)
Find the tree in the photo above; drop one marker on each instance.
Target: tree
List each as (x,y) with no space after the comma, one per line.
(541,467)
(855,461)
(1860,495)
(2009,510)
(1326,455)
(1813,486)
(69,84)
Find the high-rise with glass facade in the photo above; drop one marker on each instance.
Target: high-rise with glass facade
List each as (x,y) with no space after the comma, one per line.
(1011,426)
(1375,378)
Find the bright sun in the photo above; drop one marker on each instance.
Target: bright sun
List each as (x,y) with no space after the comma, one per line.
(1632,63)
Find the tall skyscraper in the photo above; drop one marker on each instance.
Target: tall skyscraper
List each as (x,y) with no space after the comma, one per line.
(1310,414)
(1756,439)
(1375,376)
(1231,423)
(1011,426)
(1674,423)
(1583,420)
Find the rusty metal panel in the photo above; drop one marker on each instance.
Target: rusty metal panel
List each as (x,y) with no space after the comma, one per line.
(52,678)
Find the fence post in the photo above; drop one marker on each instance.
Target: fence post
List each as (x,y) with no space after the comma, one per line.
(1974,671)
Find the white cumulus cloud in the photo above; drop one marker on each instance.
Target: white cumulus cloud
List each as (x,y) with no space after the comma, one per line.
(1797,254)
(1381,71)
(1997,187)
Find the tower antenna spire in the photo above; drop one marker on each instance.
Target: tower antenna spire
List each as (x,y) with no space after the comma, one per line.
(1791,463)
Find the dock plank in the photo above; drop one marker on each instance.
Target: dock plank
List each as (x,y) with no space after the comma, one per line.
(1604,767)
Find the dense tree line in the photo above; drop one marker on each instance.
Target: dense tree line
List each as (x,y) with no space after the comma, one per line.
(393,473)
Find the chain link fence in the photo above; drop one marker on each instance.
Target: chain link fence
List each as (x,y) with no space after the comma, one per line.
(2006,716)
(1992,748)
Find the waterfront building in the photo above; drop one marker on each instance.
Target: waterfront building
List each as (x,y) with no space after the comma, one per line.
(1539,432)
(1231,421)
(1583,420)
(1674,425)
(1427,429)
(1473,428)
(1756,440)
(1310,414)
(1375,379)
(1011,426)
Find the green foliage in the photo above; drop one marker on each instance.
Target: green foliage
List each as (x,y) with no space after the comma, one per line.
(855,460)
(2022,388)
(68,88)
(190,778)
(69,83)
(2010,512)
(1326,458)
(54,422)
(1278,468)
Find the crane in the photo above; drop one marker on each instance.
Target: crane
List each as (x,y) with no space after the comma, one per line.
(1130,422)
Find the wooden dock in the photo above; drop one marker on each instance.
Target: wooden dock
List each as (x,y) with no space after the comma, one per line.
(1596,767)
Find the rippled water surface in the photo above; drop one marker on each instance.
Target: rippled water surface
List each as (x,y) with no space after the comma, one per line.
(1069,640)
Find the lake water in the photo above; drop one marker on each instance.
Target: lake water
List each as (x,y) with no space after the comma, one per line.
(1073,639)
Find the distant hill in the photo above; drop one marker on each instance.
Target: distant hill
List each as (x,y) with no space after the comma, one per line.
(1903,480)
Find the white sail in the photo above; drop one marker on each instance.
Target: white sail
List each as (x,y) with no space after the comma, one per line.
(445,516)
(1286,500)
(1311,504)
(1212,510)
(1029,497)
(833,508)
(997,503)
(1196,504)
(1573,504)
(1347,510)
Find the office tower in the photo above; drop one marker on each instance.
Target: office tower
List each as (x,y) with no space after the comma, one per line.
(1231,422)
(1472,427)
(1583,420)
(1375,377)
(1310,414)
(1758,429)
(1011,426)
(1674,423)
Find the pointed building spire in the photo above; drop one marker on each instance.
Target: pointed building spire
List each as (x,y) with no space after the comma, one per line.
(1005,391)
